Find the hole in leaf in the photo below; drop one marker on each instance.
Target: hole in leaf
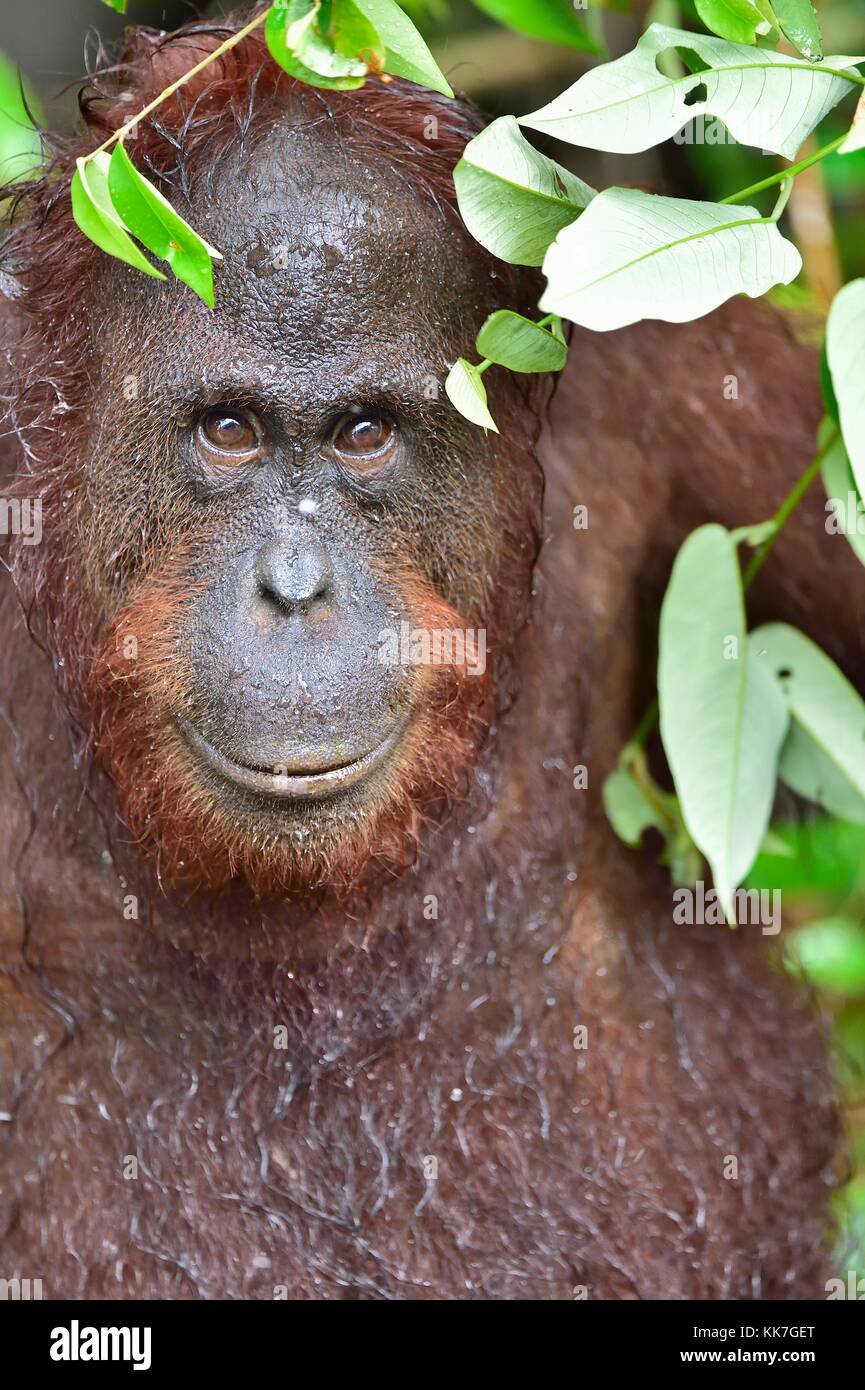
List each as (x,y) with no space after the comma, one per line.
(690,60)
(785,673)
(698,93)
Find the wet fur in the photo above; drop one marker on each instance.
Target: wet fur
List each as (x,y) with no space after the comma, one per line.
(411,1037)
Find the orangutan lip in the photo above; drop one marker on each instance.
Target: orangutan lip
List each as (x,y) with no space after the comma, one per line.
(290,785)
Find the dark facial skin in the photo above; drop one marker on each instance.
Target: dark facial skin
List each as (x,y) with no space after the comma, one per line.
(299,476)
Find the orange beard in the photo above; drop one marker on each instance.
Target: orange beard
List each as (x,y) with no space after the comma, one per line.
(198,840)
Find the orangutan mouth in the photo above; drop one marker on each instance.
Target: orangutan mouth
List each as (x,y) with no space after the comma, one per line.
(290,780)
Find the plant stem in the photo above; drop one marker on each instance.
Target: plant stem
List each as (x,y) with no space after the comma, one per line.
(647,723)
(780,519)
(786,510)
(782,199)
(169,91)
(658,800)
(791,172)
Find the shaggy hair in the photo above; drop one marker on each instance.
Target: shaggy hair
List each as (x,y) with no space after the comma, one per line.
(507,1074)
(227,109)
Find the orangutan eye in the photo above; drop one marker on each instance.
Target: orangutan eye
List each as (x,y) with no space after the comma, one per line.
(229,434)
(364,438)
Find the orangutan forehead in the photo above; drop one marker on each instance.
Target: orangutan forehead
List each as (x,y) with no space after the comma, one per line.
(359,282)
(318,252)
(331,260)
(331,234)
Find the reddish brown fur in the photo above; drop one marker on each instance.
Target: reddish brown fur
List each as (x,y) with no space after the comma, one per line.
(196,846)
(123,701)
(48,364)
(408,1037)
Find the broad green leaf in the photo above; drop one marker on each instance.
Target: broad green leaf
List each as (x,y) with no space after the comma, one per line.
(465,389)
(554,20)
(824,757)
(151,218)
(297,44)
(118,5)
(831,953)
(513,199)
(798,22)
(846,514)
(628,809)
(96,217)
(634,255)
(767,99)
(807,771)
(845,350)
(354,36)
(634,802)
(513,341)
(824,858)
(406,53)
(723,719)
(740,21)
(856,137)
(20,142)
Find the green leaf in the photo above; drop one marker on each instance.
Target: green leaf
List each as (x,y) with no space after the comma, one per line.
(406,53)
(809,772)
(636,255)
(634,802)
(770,100)
(466,390)
(512,199)
(831,953)
(628,809)
(355,36)
(553,20)
(723,719)
(96,217)
(20,142)
(298,45)
(740,21)
(516,342)
(847,513)
(118,5)
(150,217)
(798,22)
(845,349)
(824,858)
(824,756)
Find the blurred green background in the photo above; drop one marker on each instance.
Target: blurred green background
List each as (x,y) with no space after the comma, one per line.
(818,863)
